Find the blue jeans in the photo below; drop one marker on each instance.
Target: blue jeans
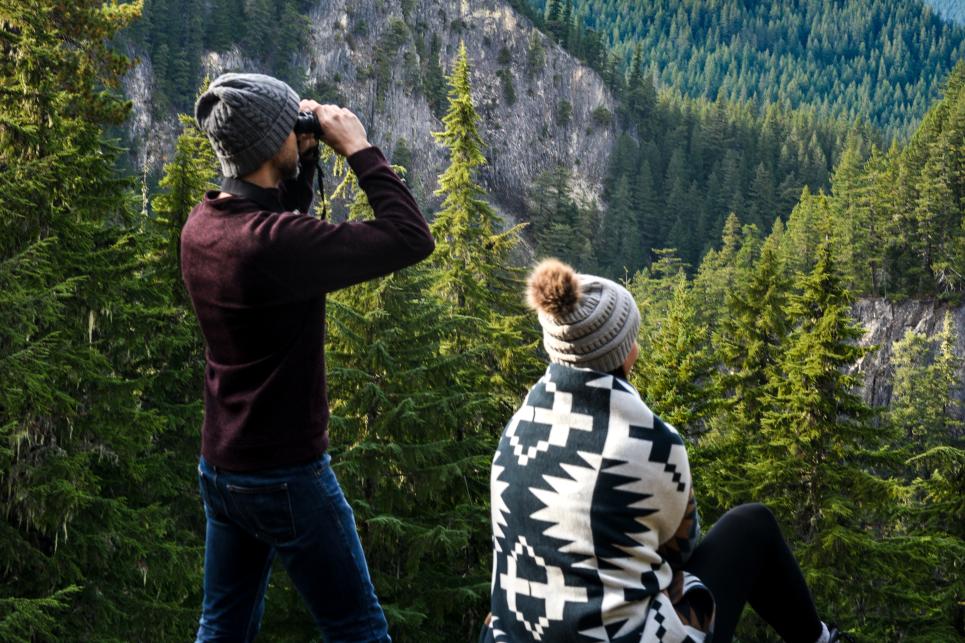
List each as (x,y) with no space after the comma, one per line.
(300,513)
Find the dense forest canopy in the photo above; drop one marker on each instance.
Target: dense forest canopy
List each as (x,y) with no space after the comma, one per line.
(745,232)
(881,59)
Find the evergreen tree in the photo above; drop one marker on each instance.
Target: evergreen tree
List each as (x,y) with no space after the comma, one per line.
(559,224)
(676,379)
(87,534)
(433,78)
(816,465)
(882,59)
(726,270)
(815,417)
(649,216)
(751,337)
(619,248)
(923,408)
(419,493)
(472,275)
(807,227)
(471,251)
(641,97)
(535,55)
(749,340)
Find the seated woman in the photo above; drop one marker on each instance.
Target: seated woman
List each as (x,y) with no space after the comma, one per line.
(594,522)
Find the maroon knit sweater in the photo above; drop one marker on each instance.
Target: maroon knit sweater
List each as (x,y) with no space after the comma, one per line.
(257,281)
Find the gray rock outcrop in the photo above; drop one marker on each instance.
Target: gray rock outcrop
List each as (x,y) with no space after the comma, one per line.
(885,323)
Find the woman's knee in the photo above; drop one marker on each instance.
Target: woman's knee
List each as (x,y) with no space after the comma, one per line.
(757,518)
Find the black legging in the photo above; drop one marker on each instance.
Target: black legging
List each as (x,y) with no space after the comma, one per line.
(744,559)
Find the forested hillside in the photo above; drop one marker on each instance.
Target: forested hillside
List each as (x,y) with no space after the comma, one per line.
(880,59)
(613,154)
(752,350)
(897,216)
(678,169)
(756,357)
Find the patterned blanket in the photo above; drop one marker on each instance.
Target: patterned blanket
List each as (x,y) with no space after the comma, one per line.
(593,518)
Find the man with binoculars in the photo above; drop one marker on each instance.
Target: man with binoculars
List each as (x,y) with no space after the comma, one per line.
(257,269)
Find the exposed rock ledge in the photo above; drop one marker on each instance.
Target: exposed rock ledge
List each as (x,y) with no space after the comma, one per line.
(886,322)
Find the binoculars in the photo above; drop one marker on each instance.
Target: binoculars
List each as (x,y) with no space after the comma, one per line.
(307,123)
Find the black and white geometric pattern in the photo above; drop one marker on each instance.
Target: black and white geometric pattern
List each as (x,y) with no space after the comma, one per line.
(586,485)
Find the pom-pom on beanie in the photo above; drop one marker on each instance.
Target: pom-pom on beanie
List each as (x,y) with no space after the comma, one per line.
(247,118)
(588,321)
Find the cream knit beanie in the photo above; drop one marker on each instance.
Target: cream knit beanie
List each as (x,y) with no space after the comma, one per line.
(588,321)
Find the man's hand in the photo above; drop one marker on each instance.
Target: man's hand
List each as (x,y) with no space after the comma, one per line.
(341,129)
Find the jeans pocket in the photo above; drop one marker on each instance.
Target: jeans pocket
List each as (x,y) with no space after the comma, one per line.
(266,508)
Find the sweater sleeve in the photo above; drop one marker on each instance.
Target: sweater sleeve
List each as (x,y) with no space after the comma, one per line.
(309,257)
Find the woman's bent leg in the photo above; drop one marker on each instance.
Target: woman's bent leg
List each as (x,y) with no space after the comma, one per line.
(744,559)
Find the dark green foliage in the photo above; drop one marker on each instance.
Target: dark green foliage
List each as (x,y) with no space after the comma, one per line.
(699,161)
(619,248)
(535,55)
(560,226)
(880,59)
(433,77)
(505,74)
(923,406)
(386,50)
(771,409)
(677,377)
(752,357)
(898,216)
(175,33)
(95,542)
(419,395)
(416,475)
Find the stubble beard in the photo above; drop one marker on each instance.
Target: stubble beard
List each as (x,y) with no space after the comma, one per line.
(290,168)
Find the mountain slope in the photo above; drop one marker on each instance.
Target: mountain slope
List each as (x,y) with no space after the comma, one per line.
(880,59)
(953,10)
(385,61)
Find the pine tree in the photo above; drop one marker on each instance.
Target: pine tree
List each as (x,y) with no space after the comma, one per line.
(649,216)
(752,334)
(493,341)
(641,97)
(186,178)
(749,340)
(676,376)
(817,466)
(925,380)
(472,255)
(806,227)
(727,269)
(619,249)
(88,535)
(472,270)
(815,416)
(557,221)
(399,402)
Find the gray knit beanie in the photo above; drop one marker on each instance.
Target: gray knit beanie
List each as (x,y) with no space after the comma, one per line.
(247,118)
(588,322)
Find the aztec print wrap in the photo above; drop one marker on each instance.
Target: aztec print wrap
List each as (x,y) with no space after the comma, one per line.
(593,515)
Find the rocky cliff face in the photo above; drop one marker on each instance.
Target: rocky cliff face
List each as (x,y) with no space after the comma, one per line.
(885,323)
(523,139)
